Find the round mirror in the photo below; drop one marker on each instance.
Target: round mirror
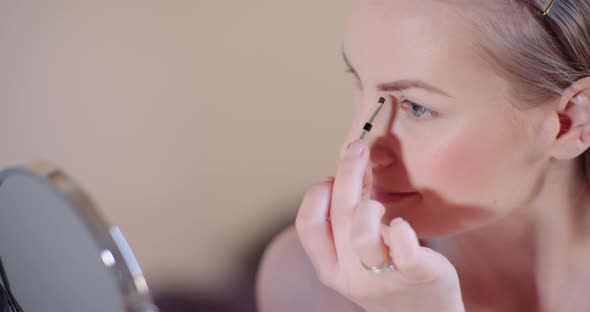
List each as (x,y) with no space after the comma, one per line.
(58,253)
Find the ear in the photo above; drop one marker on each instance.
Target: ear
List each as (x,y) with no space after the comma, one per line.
(573,113)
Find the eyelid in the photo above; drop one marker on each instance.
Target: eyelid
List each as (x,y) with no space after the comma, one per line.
(403,103)
(349,70)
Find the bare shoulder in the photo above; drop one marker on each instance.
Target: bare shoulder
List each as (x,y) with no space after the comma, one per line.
(287,282)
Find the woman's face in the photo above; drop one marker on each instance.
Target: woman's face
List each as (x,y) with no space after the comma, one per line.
(448,131)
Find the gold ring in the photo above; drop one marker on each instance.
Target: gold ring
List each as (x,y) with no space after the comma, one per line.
(382,268)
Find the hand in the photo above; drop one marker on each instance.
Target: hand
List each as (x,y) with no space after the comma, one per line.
(340,229)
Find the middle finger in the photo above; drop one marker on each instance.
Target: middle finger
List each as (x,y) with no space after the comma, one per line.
(347,192)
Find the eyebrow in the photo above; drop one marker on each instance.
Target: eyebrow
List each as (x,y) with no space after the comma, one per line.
(398,85)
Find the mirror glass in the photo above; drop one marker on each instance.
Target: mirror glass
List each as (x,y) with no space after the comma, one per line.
(53,259)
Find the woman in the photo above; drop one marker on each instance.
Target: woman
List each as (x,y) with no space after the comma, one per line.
(479,152)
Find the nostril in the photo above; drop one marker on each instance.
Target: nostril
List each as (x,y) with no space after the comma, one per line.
(380,157)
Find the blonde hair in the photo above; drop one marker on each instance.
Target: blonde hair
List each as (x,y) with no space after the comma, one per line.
(541,55)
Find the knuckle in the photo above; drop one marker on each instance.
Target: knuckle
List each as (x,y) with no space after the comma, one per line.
(325,278)
(302,218)
(369,209)
(312,197)
(302,224)
(363,238)
(406,264)
(316,189)
(374,204)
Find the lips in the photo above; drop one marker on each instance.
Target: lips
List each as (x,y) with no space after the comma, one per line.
(392,197)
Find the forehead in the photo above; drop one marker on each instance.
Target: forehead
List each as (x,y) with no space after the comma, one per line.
(412,39)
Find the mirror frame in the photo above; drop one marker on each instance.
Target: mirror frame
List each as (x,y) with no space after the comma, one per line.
(116,254)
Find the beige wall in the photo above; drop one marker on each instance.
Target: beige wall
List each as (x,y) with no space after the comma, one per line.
(196,125)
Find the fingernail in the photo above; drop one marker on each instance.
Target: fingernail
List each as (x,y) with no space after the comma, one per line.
(397,220)
(355,149)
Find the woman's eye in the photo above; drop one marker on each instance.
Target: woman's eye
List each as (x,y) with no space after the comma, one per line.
(417,111)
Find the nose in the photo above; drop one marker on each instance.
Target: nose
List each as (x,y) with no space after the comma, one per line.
(382,125)
(381,156)
(381,140)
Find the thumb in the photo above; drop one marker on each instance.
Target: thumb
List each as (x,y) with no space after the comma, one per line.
(417,263)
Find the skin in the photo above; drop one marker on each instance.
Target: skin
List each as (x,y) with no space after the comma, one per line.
(500,197)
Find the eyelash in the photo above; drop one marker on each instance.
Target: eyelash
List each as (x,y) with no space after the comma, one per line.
(357,80)
(410,107)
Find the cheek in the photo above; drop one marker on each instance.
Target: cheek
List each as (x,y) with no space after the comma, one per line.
(453,161)
(461,167)
(449,164)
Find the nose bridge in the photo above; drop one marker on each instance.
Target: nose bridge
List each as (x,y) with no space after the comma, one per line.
(382,153)
(383,122)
